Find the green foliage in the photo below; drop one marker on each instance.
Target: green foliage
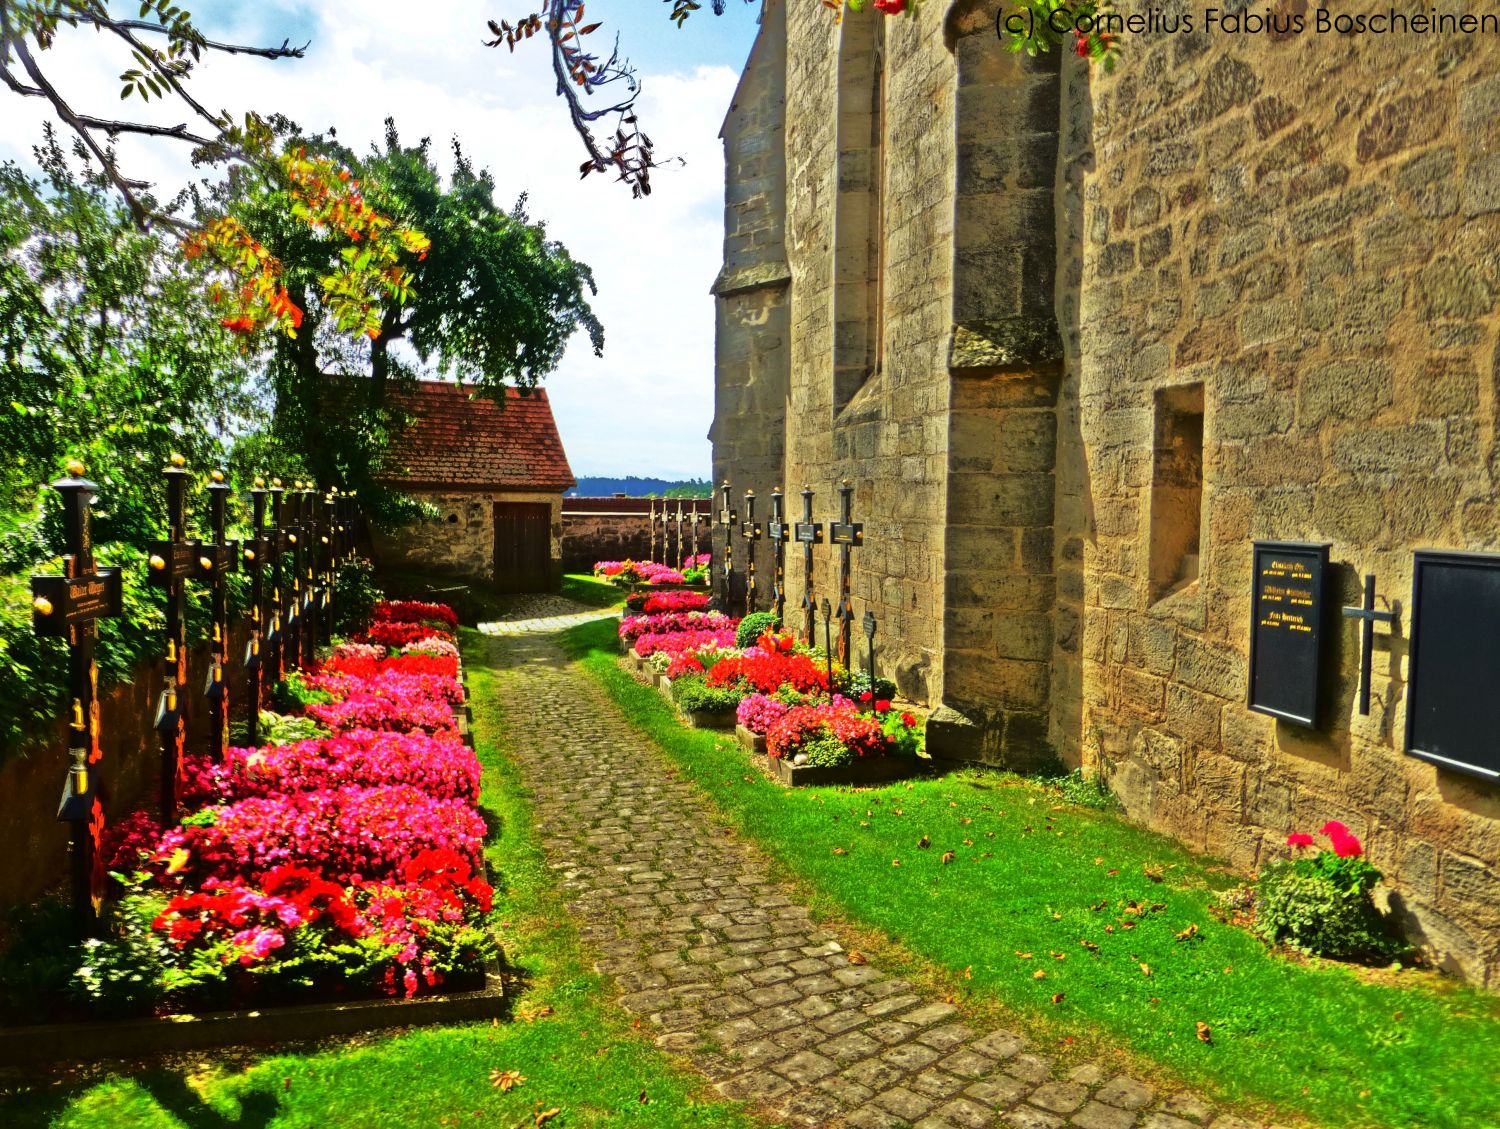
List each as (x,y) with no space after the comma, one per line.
(292,694)
(827,751)
(1083,789)
(124,974)
(492,302)
(881,689)
(905,740)
(1322,905)
(692,694)
(355,595)
(277,729)
(753,626)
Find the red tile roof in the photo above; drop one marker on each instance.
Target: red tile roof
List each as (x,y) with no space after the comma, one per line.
(463,442)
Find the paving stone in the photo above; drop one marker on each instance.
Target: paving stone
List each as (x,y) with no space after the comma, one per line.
(1125,1092)
(1097,1115)
(806,1067)
(905,1104)
(727,963)
(1059,1097)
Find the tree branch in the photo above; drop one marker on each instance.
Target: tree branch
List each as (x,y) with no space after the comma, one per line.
(285,51)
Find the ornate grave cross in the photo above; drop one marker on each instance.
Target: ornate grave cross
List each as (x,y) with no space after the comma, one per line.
(679,535)
(651,524)
(750,531)
(869,625)
(666,553)
(329,551)
(696,517)
(728,519)
(216,560)
(777,532)
(827,609)
(848,535)
(1368,617)
(307,509)
(284,625)
(70,606)
(808,533)
(255,550)
(171,563)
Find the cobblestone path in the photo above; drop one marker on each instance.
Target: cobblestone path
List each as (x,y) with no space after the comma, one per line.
(546,614)
(731,972)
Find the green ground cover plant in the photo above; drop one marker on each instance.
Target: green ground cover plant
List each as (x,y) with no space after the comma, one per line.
(1095,933)
(570,1052)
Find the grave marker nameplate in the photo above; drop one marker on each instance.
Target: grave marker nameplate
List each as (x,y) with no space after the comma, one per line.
(1452,708)
(1287,629)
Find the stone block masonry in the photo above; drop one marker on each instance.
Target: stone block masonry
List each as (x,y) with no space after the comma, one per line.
(1116,328)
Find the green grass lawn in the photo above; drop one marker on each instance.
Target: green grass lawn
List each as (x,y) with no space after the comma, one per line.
(1100,909)
(583,1058)
(590,590)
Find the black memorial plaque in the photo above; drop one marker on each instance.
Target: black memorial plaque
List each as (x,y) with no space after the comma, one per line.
(1286,630)
(1452,709)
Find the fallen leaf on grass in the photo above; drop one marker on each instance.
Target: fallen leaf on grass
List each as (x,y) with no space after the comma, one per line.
(1059,956)
(895,862)
(1152,872)
(1190,932)
(969,972)
(948,856)
(546,1115)
(1112,871)
(968,842)
(1205,1035)
(1058,997)
(506,1080)
(1023,956)
(923,843)
(857,957)
(840,851)
(1039,974)
(1102,905)
(1056,916)
(1145,968)
(644,1099)
(530,1012)
(1090,946)
(1109,928)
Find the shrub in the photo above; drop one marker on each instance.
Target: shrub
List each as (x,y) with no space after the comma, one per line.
(1087,791)
(1321,903)
(753,626)
(692,694)
(355,595)
(860,685)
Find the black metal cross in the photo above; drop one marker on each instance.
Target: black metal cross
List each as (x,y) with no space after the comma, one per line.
(808,533)
(777,532)
(284,626)
(255,551)
(728,519)
(70,606)
(171,563)
(307,511)
(1368,617)
(827,609)
(651,525)
(680,553)
(217,558)
(750,531)
(848,535)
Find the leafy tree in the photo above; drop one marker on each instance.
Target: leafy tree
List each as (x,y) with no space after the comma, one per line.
(492,301)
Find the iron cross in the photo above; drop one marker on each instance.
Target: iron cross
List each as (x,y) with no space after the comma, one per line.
(171,563)
(750,531)
(217,558)
(776,532)
(808,533)
(1368,617)
(848,535)
(728,519)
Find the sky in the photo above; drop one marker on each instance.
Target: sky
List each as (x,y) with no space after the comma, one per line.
(643,408)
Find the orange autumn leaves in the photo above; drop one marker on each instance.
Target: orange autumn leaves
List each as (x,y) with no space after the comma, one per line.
(329,200)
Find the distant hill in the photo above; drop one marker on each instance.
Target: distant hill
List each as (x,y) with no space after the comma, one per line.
(635,487)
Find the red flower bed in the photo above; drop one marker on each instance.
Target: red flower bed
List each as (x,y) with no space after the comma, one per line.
(352,859)
(650,602)
(800,725)
(765,672)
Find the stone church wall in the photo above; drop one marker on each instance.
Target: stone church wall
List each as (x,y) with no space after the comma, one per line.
(1307,230)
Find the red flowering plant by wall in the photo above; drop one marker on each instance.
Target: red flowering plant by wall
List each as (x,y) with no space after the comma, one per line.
(652,602)
(415,611)
(766,672)
(825,735)
(349,862)
(1320,901)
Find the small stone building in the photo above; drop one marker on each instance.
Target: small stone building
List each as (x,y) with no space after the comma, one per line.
(494,472)
(1078,339)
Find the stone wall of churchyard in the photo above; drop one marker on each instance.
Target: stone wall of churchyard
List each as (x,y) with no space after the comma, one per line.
(458,540)
(1306,230)
(618,529)
(869,395)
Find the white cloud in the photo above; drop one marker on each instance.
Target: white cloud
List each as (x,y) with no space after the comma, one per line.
(645,407)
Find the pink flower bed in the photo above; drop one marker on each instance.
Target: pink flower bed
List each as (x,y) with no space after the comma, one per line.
(661,623)
(371,835)
(675,642)
(860,733)
(440,767)
(758,712)
(653,602)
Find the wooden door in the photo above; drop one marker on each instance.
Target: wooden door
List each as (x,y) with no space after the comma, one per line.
(523,547)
